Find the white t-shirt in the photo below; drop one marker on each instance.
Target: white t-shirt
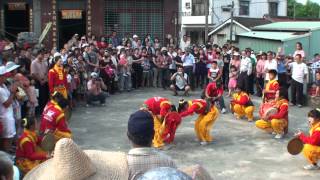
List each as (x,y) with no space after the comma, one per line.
(6,114)
(180,82)
(298,71)
(270,65)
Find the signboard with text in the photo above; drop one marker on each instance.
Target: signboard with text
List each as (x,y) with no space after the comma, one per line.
(71,14)
(17,6)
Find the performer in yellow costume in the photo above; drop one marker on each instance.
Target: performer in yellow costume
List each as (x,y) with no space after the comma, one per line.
(241,104)
(205,119)
(311,148)
(278,122)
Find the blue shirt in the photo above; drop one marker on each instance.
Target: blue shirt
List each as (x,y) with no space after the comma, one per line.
(281,67)
(188,60)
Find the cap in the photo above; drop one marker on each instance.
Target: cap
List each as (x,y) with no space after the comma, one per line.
(56,54)
(135,36)
(94,75)
(10,66)
(140,124)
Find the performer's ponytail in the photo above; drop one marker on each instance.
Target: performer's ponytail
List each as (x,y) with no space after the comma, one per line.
(27,122)
(182,105)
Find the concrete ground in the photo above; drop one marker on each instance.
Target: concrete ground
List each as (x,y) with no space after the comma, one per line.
(240,150)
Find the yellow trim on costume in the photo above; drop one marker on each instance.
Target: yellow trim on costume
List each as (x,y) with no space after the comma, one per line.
(270,83)
(164,102)
(190,103)
(59,117)
(314,128)
(29,138)
(199,104)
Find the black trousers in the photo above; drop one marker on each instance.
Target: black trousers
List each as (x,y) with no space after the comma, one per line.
(251,81)
(243,81)
(296,92)
(189,71)
(43,96)
(282,79)
(137,76)
(260,85)
(225,75)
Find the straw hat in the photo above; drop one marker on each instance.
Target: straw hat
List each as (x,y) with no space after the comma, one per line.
(70,162)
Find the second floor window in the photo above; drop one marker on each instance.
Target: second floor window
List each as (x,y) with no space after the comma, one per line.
(244,8)
(198,7)
(273,9)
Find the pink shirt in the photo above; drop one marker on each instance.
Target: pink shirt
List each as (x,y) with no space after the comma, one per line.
(260,68)
(301,52)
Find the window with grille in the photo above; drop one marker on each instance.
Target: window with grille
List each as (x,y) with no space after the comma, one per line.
(129,17)
(273,8)
(244,8)
(198,7)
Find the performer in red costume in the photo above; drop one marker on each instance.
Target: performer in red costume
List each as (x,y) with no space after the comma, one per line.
(57,78)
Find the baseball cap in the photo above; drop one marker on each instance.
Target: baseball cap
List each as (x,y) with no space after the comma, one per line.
(135,36)
(140,124)
(94,75)
(10,66)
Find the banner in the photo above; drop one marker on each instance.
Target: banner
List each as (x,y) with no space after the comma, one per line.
(45,32)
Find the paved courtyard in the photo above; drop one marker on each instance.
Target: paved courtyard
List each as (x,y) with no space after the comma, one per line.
(240,151)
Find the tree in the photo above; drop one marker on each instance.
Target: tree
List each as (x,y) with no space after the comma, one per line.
(310,9)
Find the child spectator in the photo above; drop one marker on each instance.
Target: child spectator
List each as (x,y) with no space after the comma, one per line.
(146,71)
(233,75)
(214,73)
(124,62)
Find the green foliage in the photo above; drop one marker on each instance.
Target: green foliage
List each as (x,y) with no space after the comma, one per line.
(309,10)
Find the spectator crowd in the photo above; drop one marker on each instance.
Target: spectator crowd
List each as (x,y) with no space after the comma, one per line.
(87,69)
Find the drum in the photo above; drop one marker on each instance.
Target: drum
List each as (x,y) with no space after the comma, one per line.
(48,142)
(267,109)
(295,146)
(170,125)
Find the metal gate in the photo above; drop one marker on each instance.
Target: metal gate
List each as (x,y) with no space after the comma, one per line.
(129,17)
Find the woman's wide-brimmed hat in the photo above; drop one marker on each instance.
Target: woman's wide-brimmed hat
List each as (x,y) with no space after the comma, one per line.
(70,162)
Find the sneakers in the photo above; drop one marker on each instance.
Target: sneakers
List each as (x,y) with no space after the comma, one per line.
(311,167)
(103,104)
(223,111)
(203,143)
(291,104)
(125,74)
(273,133)
(279,136)
(299,106)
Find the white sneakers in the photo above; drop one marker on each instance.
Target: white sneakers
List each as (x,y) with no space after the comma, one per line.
(203,143)
(311,167)
(278,136)
(223,110)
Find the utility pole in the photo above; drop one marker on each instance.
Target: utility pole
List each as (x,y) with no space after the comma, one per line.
(206,29)
(231,22)
(294,10)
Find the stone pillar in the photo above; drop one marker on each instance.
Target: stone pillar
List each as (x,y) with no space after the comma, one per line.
(36,17)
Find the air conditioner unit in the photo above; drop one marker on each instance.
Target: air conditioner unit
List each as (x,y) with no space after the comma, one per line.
(226,8)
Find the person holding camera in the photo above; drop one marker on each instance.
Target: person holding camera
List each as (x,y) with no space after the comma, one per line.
(95,86)
(180,82)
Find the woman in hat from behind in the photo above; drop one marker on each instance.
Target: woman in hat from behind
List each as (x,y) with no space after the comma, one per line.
(28,153)
(53,117)
(71,163)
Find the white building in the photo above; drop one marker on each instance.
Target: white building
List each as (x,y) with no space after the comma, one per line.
(192,13)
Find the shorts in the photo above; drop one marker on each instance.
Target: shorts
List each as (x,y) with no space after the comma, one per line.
(178,89)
